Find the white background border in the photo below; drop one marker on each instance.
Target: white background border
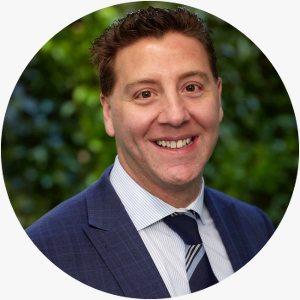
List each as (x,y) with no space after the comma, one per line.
(26,26)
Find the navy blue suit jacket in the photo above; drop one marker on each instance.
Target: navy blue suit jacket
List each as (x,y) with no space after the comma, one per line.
(92,238)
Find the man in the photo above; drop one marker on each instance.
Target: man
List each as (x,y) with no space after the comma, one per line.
(148,228)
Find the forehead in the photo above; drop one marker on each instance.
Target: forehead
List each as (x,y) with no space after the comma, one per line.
(173,54)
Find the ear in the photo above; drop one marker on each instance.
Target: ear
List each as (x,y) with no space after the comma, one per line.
(219,85)
(109,127)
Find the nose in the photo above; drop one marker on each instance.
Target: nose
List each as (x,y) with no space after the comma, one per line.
(173,111)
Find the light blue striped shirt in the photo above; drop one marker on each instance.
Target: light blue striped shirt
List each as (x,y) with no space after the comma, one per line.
(165,247)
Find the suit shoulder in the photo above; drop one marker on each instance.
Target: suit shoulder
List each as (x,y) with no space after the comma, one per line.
(228,200)
(246,212)
(61,218)
(67,218)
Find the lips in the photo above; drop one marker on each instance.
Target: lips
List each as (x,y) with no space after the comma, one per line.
(175,144)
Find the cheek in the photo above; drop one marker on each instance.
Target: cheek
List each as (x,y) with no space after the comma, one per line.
(139,121)
(208,118)
(129,128)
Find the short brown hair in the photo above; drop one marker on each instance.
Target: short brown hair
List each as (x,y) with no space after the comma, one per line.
(150,22)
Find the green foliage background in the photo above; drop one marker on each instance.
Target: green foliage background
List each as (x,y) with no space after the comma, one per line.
(54,143)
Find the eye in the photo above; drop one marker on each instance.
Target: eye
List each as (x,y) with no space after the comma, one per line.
(145,94)
(191,88)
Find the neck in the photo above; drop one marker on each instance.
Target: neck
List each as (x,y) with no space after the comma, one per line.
(176,195)
(179,196)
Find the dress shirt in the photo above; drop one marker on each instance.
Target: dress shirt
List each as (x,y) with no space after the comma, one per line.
(165,246)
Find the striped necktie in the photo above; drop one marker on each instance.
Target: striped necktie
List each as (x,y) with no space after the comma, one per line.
(199,272)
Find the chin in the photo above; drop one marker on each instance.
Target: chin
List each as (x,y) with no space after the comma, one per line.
(181,179)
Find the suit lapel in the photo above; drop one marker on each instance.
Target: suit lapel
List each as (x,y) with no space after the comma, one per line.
(116,239)
(230,229)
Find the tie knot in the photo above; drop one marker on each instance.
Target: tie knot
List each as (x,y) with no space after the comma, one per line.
(186,227)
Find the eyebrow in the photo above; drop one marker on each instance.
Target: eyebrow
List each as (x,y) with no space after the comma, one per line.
(201,74)
(142,81)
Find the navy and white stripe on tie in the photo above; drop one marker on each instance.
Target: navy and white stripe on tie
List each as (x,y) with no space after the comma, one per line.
(199,272)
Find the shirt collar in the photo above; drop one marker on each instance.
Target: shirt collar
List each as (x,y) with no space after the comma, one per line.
(196,205)
(142,207)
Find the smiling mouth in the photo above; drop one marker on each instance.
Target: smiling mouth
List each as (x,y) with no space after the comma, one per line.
(175,144)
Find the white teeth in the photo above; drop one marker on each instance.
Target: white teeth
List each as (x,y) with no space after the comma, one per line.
(175,144)
(179,144)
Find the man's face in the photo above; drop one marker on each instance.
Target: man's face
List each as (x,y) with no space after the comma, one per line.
(164,111)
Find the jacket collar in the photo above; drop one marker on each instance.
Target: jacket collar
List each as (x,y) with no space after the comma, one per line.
(103,205)
(229,226)
(116,239)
